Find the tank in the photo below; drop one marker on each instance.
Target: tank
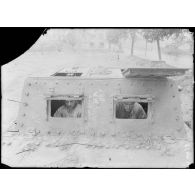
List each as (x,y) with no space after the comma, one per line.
(98,92)
(130,108)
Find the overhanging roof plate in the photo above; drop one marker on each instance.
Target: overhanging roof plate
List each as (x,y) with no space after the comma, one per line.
(153,72)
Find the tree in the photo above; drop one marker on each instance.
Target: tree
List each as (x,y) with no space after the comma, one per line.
(146,47)
(158,35)
(184,38)
(114,37)
(132,33)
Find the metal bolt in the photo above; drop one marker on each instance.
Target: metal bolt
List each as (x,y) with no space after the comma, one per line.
(25,104)
(177,118)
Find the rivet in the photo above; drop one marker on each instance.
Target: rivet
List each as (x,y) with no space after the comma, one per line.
(27,94)
(173,96)
(29,84)
(56,83)
(177,118)
(24,114)
(25,104)
(179,129)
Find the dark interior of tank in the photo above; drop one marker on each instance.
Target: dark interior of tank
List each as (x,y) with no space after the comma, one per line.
(130,110)
(55,104)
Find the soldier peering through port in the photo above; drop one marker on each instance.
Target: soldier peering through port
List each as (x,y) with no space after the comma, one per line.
(70,109)
(130,110)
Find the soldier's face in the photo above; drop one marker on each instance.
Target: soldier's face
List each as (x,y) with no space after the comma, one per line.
(128,106)
(70,103)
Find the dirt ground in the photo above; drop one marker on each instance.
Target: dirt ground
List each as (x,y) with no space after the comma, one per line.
(42,152)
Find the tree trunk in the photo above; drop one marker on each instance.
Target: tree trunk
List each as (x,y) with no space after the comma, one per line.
(132,44)
(159,51)
(119,47)
(109,46)
(146,47)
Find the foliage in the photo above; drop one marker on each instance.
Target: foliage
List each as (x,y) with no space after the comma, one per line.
(132,32)
(114,36)
(160,34)
(184,38)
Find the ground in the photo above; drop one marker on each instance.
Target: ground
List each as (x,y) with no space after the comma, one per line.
(40,151)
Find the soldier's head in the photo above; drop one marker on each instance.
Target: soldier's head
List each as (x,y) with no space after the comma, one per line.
(70,104)
(128,106)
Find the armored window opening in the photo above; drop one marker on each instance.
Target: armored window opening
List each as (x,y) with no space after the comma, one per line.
(65,107)
(131,108)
